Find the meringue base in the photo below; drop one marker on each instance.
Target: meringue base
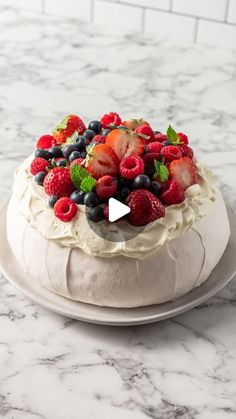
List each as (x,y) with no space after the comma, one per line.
(179,266)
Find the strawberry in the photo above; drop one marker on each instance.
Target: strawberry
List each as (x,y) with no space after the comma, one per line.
(58,182)
(67,127)
(132,124)
(184,172)
(102,160)
(99,139)
(131,166)
(155,147)
(161,137)
(106,187)
(145,207)
(110,118)
(171,152)
(183,138)
(147,132)
(173,195)
(38,165)
(125,143)
(65,209)
(186,151)
(46,141)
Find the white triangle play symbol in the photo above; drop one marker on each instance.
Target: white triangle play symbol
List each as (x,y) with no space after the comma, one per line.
(116,210)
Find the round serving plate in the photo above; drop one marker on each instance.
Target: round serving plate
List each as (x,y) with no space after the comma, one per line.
(221,275)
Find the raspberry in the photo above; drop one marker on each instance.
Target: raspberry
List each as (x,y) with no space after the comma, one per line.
(155,147)
(171,152)
(38,165)
(65,209)
(160,137)
(147,131)
(46,141)
(99,139)
(173,195)
(145,207)
(186,151)
(110,118)
(183,138)
(131,166)
(58,182)
(106,187)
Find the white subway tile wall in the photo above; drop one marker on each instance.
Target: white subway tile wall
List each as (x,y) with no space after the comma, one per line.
(115,15)
(156,4)
(169,25)
(232,11)
(218,34)
(204,21)
(211,9)
(80,9)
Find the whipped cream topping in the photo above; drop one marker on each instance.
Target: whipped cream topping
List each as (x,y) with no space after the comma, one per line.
(33,205)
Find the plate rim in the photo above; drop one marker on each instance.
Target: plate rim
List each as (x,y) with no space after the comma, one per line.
(32,294)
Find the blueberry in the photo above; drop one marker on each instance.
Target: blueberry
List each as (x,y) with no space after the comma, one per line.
(91,199)
(141,182)
(62,163)
(56,152)
(155,188)
(124,192)
(45,154)
(89,134)
(39,178)
(123,182)
(106,131)
(166,142)
(96,214)
(157,132)
(95,126)
(83,154)
(78,197)
(74,155)
(52,200)
(118,195)
(68,150)
(81,142)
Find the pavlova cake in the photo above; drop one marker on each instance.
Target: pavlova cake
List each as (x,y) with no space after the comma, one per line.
(58,222)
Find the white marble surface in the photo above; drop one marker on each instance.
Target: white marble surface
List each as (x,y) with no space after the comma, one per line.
(55,368)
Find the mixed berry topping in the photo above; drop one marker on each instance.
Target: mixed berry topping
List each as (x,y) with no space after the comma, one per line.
(110,158)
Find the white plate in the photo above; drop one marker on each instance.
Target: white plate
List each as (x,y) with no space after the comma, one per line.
(221,275)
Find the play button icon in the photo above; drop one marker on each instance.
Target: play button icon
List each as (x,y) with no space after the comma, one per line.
(117,210)
(117,228)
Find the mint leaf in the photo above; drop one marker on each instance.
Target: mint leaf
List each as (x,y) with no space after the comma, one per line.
(172,135)
(87,184)
(77,174)
(161,171)
(81,178)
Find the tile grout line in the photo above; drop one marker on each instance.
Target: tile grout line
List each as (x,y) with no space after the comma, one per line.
(196,30)
(226,10)
(143,19)
(92,11)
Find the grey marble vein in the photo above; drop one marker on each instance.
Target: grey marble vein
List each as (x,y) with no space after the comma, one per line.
(56,368)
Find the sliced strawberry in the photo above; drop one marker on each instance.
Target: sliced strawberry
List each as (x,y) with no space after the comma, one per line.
(183,171)
(102,160)
(125,143)
(132,124)
(147,132)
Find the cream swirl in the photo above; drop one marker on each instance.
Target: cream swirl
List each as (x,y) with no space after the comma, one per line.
(33,205)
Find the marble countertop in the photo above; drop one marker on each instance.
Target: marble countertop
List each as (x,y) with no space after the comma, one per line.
(56,368)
